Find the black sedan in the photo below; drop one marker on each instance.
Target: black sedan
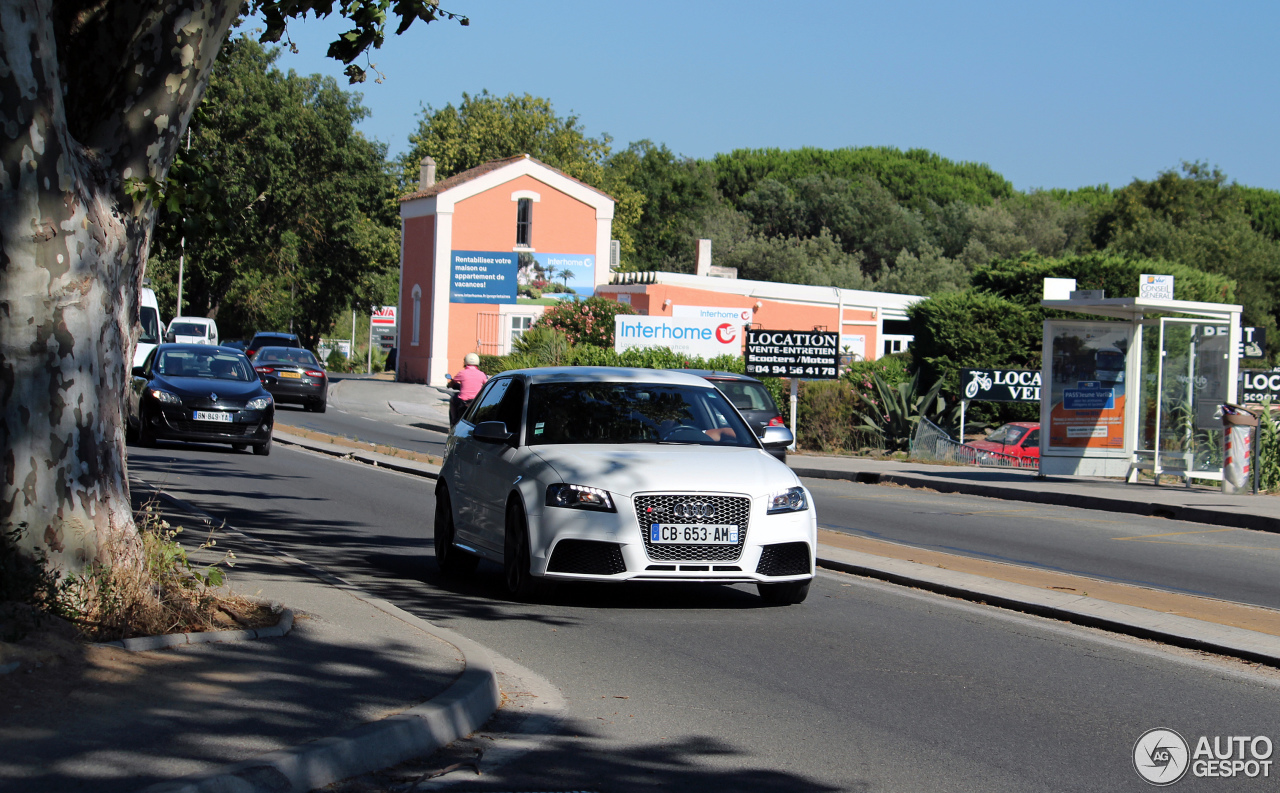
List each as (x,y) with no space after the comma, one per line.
(293,375)
(195,392)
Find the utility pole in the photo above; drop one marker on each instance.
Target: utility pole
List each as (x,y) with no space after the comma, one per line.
(369,363)
(351,345)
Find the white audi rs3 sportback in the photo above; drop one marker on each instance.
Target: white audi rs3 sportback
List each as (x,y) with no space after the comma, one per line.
(605,474)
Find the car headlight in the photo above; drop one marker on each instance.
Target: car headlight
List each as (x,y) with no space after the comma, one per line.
(790,500)
(579,497)
(166,397)
(258,403)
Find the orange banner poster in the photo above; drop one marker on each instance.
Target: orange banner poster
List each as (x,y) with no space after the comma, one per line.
(1087,385)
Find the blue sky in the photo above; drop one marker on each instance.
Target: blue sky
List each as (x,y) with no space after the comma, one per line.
(1048,94)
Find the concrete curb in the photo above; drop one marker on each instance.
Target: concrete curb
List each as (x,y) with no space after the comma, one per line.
(1077,609)
(143,644)
(1213,517)
(376,459)
(460,710)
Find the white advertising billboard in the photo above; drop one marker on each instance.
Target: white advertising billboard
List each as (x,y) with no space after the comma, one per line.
(743,316)
(705,338)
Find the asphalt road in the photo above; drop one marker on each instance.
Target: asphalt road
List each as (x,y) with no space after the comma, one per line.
(1212,561)
(866,686)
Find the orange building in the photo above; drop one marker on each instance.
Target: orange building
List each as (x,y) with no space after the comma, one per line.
(470,241)
(871,324)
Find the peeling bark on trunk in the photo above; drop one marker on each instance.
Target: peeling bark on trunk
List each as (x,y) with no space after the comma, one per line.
(90,96)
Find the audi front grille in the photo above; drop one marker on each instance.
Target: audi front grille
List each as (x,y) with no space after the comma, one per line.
(691,510)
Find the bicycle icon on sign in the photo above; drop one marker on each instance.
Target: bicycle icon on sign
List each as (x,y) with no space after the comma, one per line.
(981,381)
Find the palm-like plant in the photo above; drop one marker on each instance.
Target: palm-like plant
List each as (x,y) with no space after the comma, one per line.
(892,413)
(546,346)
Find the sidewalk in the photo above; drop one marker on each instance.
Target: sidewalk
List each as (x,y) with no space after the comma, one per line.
(356,685)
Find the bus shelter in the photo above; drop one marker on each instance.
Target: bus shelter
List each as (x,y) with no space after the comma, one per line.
(1141,391)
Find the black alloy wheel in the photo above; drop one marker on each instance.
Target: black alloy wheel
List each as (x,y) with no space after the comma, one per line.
(450,559)
(785,593)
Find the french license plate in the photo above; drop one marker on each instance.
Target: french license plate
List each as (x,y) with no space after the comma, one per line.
(294,375)
(702,534)
(213,415)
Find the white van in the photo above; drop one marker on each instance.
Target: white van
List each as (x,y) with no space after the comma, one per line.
(149,318)
(192,330)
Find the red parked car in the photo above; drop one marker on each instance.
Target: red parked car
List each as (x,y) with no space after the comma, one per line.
(1019,439)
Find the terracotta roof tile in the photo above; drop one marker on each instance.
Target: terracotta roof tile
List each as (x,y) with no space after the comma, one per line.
(481,170)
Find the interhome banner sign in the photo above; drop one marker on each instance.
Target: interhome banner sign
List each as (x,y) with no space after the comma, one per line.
(1000,385)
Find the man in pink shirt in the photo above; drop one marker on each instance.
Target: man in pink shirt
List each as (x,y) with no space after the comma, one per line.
(468,382)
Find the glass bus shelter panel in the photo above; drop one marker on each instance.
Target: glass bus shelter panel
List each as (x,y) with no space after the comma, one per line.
(1149,389)
(1192,381)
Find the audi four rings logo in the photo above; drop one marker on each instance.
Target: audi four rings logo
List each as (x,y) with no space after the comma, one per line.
(694,510)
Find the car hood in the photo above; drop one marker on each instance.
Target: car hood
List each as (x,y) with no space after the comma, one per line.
(647,467)
(202,387)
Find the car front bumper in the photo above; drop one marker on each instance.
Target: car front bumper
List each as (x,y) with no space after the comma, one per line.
(174,422)
(776,548)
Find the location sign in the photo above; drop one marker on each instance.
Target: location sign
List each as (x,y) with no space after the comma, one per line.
(806,354)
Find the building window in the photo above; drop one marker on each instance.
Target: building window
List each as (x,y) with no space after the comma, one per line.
(518,327)
(524,222)
(417,312)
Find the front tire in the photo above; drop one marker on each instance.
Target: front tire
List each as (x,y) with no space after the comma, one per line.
(239,447)
(263,449)
(450,559)
(521,584)
(146,433)
(786,593)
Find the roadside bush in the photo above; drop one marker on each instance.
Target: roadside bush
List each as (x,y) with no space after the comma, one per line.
(587,321)
(825,413)
(1268,450)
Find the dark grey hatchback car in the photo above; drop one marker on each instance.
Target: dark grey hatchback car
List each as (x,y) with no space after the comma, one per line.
(751,399)
(201,393)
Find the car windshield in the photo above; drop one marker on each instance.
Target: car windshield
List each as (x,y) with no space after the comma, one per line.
(214,365)
(1008,434)
(150,321)
(615,413)
(746,395)
(189,329)
(285,355)
(274,340)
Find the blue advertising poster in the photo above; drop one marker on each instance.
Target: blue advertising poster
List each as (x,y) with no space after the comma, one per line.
(482,277)
(559,273)
(1088,398)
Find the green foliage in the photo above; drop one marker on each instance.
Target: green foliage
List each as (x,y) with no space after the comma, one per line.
(824,413)
(891,413)
(819,261)
(1021,279)
(1195,218)
(973,329)
(547,345)
(679,193)
(892,369)
(587,321)
(916,178)
(368,20)
(485,127)
(285,209)
(1268,450)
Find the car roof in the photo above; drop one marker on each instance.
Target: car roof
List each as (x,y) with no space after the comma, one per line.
(609,374)
(274,334)
(198,347)
(290,350)
(1027,424)
(714,374)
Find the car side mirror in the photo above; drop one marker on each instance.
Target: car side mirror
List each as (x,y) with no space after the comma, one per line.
(773,437)
(491,431)
(139,371)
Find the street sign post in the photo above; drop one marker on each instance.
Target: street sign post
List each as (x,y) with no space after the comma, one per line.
(797,354)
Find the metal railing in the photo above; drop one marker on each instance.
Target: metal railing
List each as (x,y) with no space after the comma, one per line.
(931,442)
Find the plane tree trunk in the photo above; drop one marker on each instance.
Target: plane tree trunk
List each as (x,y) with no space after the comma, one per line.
(93,101)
